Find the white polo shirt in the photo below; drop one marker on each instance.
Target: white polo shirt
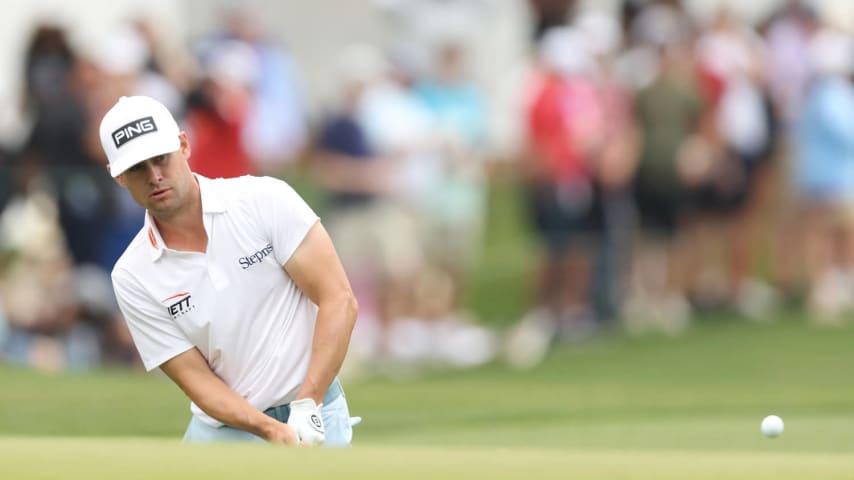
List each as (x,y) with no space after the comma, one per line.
(235,302)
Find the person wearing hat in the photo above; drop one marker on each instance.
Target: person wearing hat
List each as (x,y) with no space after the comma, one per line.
(232,287)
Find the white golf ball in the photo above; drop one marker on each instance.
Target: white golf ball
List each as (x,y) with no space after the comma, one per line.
(772,426)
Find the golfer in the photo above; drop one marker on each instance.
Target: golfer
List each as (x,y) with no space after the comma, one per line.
(232,287)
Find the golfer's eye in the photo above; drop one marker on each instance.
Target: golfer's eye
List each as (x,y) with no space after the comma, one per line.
(136,168)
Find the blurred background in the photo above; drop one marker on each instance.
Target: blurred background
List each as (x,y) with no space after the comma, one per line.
(502,178)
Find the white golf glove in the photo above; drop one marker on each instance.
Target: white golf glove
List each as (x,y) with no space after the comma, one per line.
(307,422)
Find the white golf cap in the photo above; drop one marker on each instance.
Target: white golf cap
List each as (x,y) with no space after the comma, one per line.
(136,129)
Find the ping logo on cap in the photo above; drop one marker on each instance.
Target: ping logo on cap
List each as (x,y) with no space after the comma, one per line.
(134,129)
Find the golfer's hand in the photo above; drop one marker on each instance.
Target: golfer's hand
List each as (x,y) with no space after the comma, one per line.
(283,434)
(307,422)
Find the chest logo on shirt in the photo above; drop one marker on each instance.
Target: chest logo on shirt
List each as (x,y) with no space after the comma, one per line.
(249,260)
(181,306)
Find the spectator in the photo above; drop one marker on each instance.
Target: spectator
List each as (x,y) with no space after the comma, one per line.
(362,215)
(56,150)
(457,210)
(668,113)
(219,110)
(788,35)
(725,201)
(564,130)
(791,70)
(613,165)
(824,176)
(275,131)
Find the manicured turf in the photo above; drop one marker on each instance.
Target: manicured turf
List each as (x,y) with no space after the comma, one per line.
(615,408)
(92,459)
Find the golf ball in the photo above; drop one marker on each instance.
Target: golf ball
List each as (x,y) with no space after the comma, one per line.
(772,426)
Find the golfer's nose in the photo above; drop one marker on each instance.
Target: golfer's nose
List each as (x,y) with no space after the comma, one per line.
(155,173)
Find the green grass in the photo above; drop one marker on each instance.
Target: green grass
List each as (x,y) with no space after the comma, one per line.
(146,459)
(616,408)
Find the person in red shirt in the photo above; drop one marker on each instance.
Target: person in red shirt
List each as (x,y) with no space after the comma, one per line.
(217,113)
(564,125)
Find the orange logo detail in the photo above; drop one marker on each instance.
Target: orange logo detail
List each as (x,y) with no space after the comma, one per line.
(152,238)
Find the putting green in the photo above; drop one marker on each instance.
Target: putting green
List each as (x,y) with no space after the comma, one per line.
(151,459)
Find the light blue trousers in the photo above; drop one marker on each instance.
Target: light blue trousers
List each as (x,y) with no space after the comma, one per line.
(335,413)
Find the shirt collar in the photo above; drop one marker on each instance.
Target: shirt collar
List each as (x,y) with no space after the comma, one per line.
(154,238)
(211,203)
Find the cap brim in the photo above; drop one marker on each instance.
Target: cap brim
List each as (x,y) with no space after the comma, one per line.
(132,158)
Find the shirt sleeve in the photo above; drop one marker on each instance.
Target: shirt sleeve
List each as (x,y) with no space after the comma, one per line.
(156,336)
(286,217)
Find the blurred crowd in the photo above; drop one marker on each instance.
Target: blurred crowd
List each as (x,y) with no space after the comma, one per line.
(667,164)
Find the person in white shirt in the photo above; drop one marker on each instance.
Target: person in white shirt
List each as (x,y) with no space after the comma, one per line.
(232,287)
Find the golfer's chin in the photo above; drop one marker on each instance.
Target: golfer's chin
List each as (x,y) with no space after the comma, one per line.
(161,201)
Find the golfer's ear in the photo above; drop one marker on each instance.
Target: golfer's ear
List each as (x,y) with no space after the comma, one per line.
(185,144)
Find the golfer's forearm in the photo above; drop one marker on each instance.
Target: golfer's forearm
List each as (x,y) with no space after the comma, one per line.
(335,320)
(190,371)
(223,404)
